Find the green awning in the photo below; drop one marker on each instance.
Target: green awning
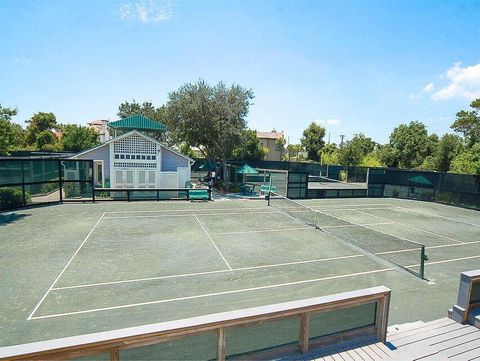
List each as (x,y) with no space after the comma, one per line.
(140,122)
(421,180)
(246,169)
(208,166)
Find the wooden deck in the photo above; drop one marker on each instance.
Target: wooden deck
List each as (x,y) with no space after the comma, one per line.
(442,339)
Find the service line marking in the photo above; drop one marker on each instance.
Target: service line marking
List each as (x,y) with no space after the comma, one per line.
(64,268)
(214,294)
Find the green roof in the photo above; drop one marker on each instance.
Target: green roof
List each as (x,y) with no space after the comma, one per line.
(138,122)
(246,169)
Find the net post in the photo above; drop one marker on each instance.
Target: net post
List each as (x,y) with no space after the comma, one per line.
(422,263)
(269,188)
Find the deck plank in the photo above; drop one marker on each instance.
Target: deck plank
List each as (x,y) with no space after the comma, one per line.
(427,334)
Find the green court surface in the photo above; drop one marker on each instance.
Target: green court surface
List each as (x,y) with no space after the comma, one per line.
(81,268)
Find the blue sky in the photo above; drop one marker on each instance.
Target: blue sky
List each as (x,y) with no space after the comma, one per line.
(361,66)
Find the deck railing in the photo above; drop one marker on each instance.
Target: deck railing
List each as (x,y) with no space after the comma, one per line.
(319,321)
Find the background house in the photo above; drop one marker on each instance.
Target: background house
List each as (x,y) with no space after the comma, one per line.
(269,140)
(136,160)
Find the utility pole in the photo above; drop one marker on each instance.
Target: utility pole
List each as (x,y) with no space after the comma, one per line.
(328,137)
(341,140)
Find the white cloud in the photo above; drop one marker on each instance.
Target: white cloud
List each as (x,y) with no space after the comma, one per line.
(426,89)
(464,82)
(327,121)
(151,11)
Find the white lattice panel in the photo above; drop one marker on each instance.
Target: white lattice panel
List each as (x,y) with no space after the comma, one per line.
(135,144)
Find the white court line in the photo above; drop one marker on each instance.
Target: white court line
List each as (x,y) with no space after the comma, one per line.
(436,215)
(262,230)
(64,268)
(444,261)
(357,225)
(185,210)
(215,294)
(353,205)
(210,272)
(412,227)
(211,240)
(190,215)
(350,209)
(430,247)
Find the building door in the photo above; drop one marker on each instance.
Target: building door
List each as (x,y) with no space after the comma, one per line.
(124,179)
(98,173)
(146,178)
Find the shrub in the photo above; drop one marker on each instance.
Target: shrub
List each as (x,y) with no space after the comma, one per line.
(12,198)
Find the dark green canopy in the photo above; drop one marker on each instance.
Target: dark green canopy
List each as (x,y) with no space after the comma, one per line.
(421,180)
(246,169)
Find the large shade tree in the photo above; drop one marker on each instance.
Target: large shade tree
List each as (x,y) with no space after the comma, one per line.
(468,123)
(211,118)
(409,145)
(76,138)
(249,147)
(39,133)
(312,140)
(11,134)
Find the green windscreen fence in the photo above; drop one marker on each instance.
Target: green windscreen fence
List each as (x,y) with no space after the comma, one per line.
(39,181)
(450,188)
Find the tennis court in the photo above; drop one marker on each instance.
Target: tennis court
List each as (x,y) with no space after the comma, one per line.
(82,268)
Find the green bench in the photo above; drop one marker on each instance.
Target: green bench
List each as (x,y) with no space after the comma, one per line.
(264,188)
(198,194)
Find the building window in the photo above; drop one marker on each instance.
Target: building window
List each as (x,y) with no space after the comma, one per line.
(116,156)
(127,156)
(122,156)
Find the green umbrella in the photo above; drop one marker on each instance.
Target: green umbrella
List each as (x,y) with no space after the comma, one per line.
(421,180)
(246,169)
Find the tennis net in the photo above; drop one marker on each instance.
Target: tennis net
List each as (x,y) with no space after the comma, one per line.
(405,253)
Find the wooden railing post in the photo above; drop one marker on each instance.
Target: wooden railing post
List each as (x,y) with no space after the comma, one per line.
(304,332)
(381,318)
(221,344)
(114,354)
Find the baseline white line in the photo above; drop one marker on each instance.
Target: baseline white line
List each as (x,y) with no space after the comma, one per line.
(64,268)
(444,261)
(211,240)
(357,225)
(184,210)
(412,227)
(436,215)
(353,205)
(209,272)
(215,294)
(262,230)
(189,215)
(350,209)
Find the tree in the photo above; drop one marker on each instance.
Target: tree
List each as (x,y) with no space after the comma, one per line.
(371,160)
(467,162)
(211,118)
(76,138)
(40,124)
(329,154)
(356,149)
(312,140)
(280,145)
(408,147)
(11,134)
(249,147)
(468,124)
(293,151)
(448,148)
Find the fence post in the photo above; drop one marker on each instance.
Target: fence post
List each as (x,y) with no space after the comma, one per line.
(24,199)
(422,263)
(93,180)
(221,344)
(60,180)
(114,354)
(304,332)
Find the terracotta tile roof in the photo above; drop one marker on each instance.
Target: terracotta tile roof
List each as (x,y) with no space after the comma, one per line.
(271,135)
